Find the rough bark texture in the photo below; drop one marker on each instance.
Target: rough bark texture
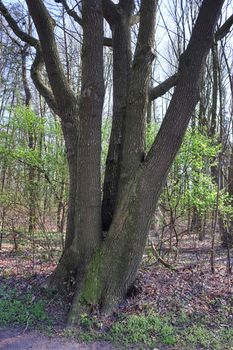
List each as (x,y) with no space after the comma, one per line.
(105,269)
(121,41)
(81,125)
(113,268)
(135,126)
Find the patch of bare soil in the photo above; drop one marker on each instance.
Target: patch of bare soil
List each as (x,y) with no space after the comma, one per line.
(12,339)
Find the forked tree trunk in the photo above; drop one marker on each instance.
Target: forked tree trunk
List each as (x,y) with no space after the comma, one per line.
(114,265)
(104,269)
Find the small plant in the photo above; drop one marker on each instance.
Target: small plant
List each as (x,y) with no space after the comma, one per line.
(22,310)
(226,337)
(200,336)
(86,322)
(182,317)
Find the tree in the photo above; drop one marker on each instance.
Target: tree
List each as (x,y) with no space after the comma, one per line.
(104,266)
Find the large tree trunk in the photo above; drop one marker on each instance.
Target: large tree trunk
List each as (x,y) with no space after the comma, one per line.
(104,269)
(114,265)
(62,274)
(81,124)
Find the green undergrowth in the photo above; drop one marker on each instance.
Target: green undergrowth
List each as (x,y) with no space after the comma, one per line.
(147,330)
(180,330)
(152,331)
(23,310)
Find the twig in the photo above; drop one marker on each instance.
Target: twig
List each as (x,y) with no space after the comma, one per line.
(25,329)
(161,260)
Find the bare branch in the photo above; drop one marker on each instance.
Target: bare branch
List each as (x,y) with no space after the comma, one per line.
(224,29)
(77,19)
(44,24)
(166,85)
(108,42)
(14,26)
(162,88)
(71,12)
(161,260)
(38,61)
(186,94)
(43,89)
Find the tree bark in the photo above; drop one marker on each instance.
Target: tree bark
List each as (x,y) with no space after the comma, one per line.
(114,265)
(227,232)
(105,269)
(133,150)
(121,44)
(81,125)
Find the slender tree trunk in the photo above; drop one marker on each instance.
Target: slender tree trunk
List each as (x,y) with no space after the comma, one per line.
(227,232)
(31,145)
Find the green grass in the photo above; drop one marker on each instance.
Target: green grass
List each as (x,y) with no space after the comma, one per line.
(149,330)
(22,310)
(199,336)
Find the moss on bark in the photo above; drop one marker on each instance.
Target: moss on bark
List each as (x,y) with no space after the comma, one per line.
(89,294)
(92,290)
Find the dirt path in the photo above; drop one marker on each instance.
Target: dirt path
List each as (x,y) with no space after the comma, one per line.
(11,339)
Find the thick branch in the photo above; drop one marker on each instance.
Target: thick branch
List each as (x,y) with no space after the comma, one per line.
(76,18)
(134,132)
(38,61)
(14,26)
(45,29)
(107,42)
(110,12)
(44,90)
(135,19)
(71,12)
(224,29)
(26,87)
(127,5)
(186,94)
(162,88)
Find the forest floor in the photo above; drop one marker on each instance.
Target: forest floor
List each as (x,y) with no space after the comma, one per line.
(187,308)
(14,339)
